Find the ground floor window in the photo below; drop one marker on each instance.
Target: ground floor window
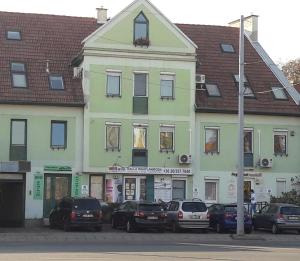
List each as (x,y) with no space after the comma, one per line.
(211,187)
(281,187)
(178,189)
(96,185)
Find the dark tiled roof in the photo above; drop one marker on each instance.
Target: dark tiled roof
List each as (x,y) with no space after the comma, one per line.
(44,37)
(219,69)
(297,86)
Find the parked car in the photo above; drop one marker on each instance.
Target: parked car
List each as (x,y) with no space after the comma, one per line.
(187,214)
(138,215)
(76,212)
(223,217)
(278,217)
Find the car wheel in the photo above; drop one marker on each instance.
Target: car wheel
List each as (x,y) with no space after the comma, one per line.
(175,228)
(98,229)
(219,228)
(66,226)
(129,227)
(275,229)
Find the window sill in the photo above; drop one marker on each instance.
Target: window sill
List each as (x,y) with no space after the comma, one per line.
(113,150)
(58,148)
(167,98)
(113,96)
(212,153)
(166,151)
(280,155)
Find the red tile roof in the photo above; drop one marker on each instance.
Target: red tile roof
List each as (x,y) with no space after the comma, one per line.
(220,67)
(44,37)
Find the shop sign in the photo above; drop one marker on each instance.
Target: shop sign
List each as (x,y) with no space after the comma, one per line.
(38,182)
(76,186)
(57,168)
(249,174)
(150,170)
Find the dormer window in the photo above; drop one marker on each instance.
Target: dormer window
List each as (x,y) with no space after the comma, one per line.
(56,82)
(227,48)
(141,30)
(13,35)
(279,93)
(248,93)
(18,75)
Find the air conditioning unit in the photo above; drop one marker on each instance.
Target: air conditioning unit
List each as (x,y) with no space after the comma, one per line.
(200,78)
(266,163)
(185,159)
(77,72)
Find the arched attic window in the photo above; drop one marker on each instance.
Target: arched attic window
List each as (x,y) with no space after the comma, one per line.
(141,30)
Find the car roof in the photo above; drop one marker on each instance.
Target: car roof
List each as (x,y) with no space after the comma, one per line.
(284,205)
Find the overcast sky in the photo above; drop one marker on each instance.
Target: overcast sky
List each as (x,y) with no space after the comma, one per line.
(279,21)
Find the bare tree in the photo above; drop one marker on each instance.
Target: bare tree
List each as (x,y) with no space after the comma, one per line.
(292,71)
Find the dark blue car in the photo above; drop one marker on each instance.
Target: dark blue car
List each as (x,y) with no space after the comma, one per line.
(222,217)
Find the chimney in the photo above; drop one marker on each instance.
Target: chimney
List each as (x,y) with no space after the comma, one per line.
(101,15)
(250,25)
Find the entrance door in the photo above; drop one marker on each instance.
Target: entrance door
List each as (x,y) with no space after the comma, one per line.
(178,189)
(135,188)
(12,199)
(56,187)
(247,191)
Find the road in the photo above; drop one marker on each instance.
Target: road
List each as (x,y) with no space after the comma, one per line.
(150,246)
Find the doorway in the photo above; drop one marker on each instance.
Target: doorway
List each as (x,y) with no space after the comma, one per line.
(247,191)
(135,188)
(56,187)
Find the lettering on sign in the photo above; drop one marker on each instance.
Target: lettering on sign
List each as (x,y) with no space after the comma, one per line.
(150,170)
(38,187)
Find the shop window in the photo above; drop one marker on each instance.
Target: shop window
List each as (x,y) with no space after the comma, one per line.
(212,140)
(167,86)
(280,142)
(58,134)
(113,136)
(97,186)
(178,189)
(113,84)
(167,138)
(211,191)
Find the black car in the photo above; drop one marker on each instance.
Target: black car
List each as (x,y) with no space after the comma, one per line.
(223,217)
(76,212)
(277,217)
(135,215)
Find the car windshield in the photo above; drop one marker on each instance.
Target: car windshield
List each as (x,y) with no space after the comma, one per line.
(84,204)
(194,207)
(150,207)
(232,209)
(290,210)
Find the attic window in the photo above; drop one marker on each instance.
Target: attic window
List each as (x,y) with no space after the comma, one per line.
(18,75)
(13,35)
(141,30)
(279,93)
(56,82)
(213,90)
(248,91)
(227,48)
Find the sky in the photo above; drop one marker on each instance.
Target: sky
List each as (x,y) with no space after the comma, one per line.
(278,24)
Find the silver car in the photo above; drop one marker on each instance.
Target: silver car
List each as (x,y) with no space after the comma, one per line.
(187,214)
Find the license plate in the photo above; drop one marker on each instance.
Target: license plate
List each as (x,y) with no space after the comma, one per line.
(293,218)
(88,215)
(152,218)
(195,217)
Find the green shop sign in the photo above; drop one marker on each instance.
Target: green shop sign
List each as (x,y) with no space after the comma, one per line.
(76,186)
(57,168)
(38,187)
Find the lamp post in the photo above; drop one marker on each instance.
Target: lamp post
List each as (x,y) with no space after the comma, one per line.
(240,171)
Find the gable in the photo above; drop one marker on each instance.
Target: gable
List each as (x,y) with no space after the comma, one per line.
(119,32)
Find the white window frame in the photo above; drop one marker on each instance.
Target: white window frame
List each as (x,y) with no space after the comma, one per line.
(218,132)
(170,127)
(167,76)
(147,82)
(114,73)
(113,124)
(277,181)
(212,180)
(281,132)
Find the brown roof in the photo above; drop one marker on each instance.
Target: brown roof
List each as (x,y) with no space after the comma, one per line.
(297,87)
(44,37)
(220,67)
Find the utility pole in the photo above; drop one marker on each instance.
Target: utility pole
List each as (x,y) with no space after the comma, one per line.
(240,172)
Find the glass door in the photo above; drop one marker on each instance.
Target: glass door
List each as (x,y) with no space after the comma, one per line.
(56,187)
(135,188)
(130,189)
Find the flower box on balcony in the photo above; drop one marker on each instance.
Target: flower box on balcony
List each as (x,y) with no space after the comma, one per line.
(141,42)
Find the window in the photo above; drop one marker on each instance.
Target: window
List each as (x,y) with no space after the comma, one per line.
(113,136)
(141,27)
(178,189)
(167,86)
(279,93)
(211,190)
(139,137)
(280,142)
(140,84)
(56,82)
(248,91)
(212,140)
(13,35)
(58,134)
(18,132)
(167,138)
(281,187)
(113,84)
(213,90)
(18,74)
(248,141)
(227,48)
